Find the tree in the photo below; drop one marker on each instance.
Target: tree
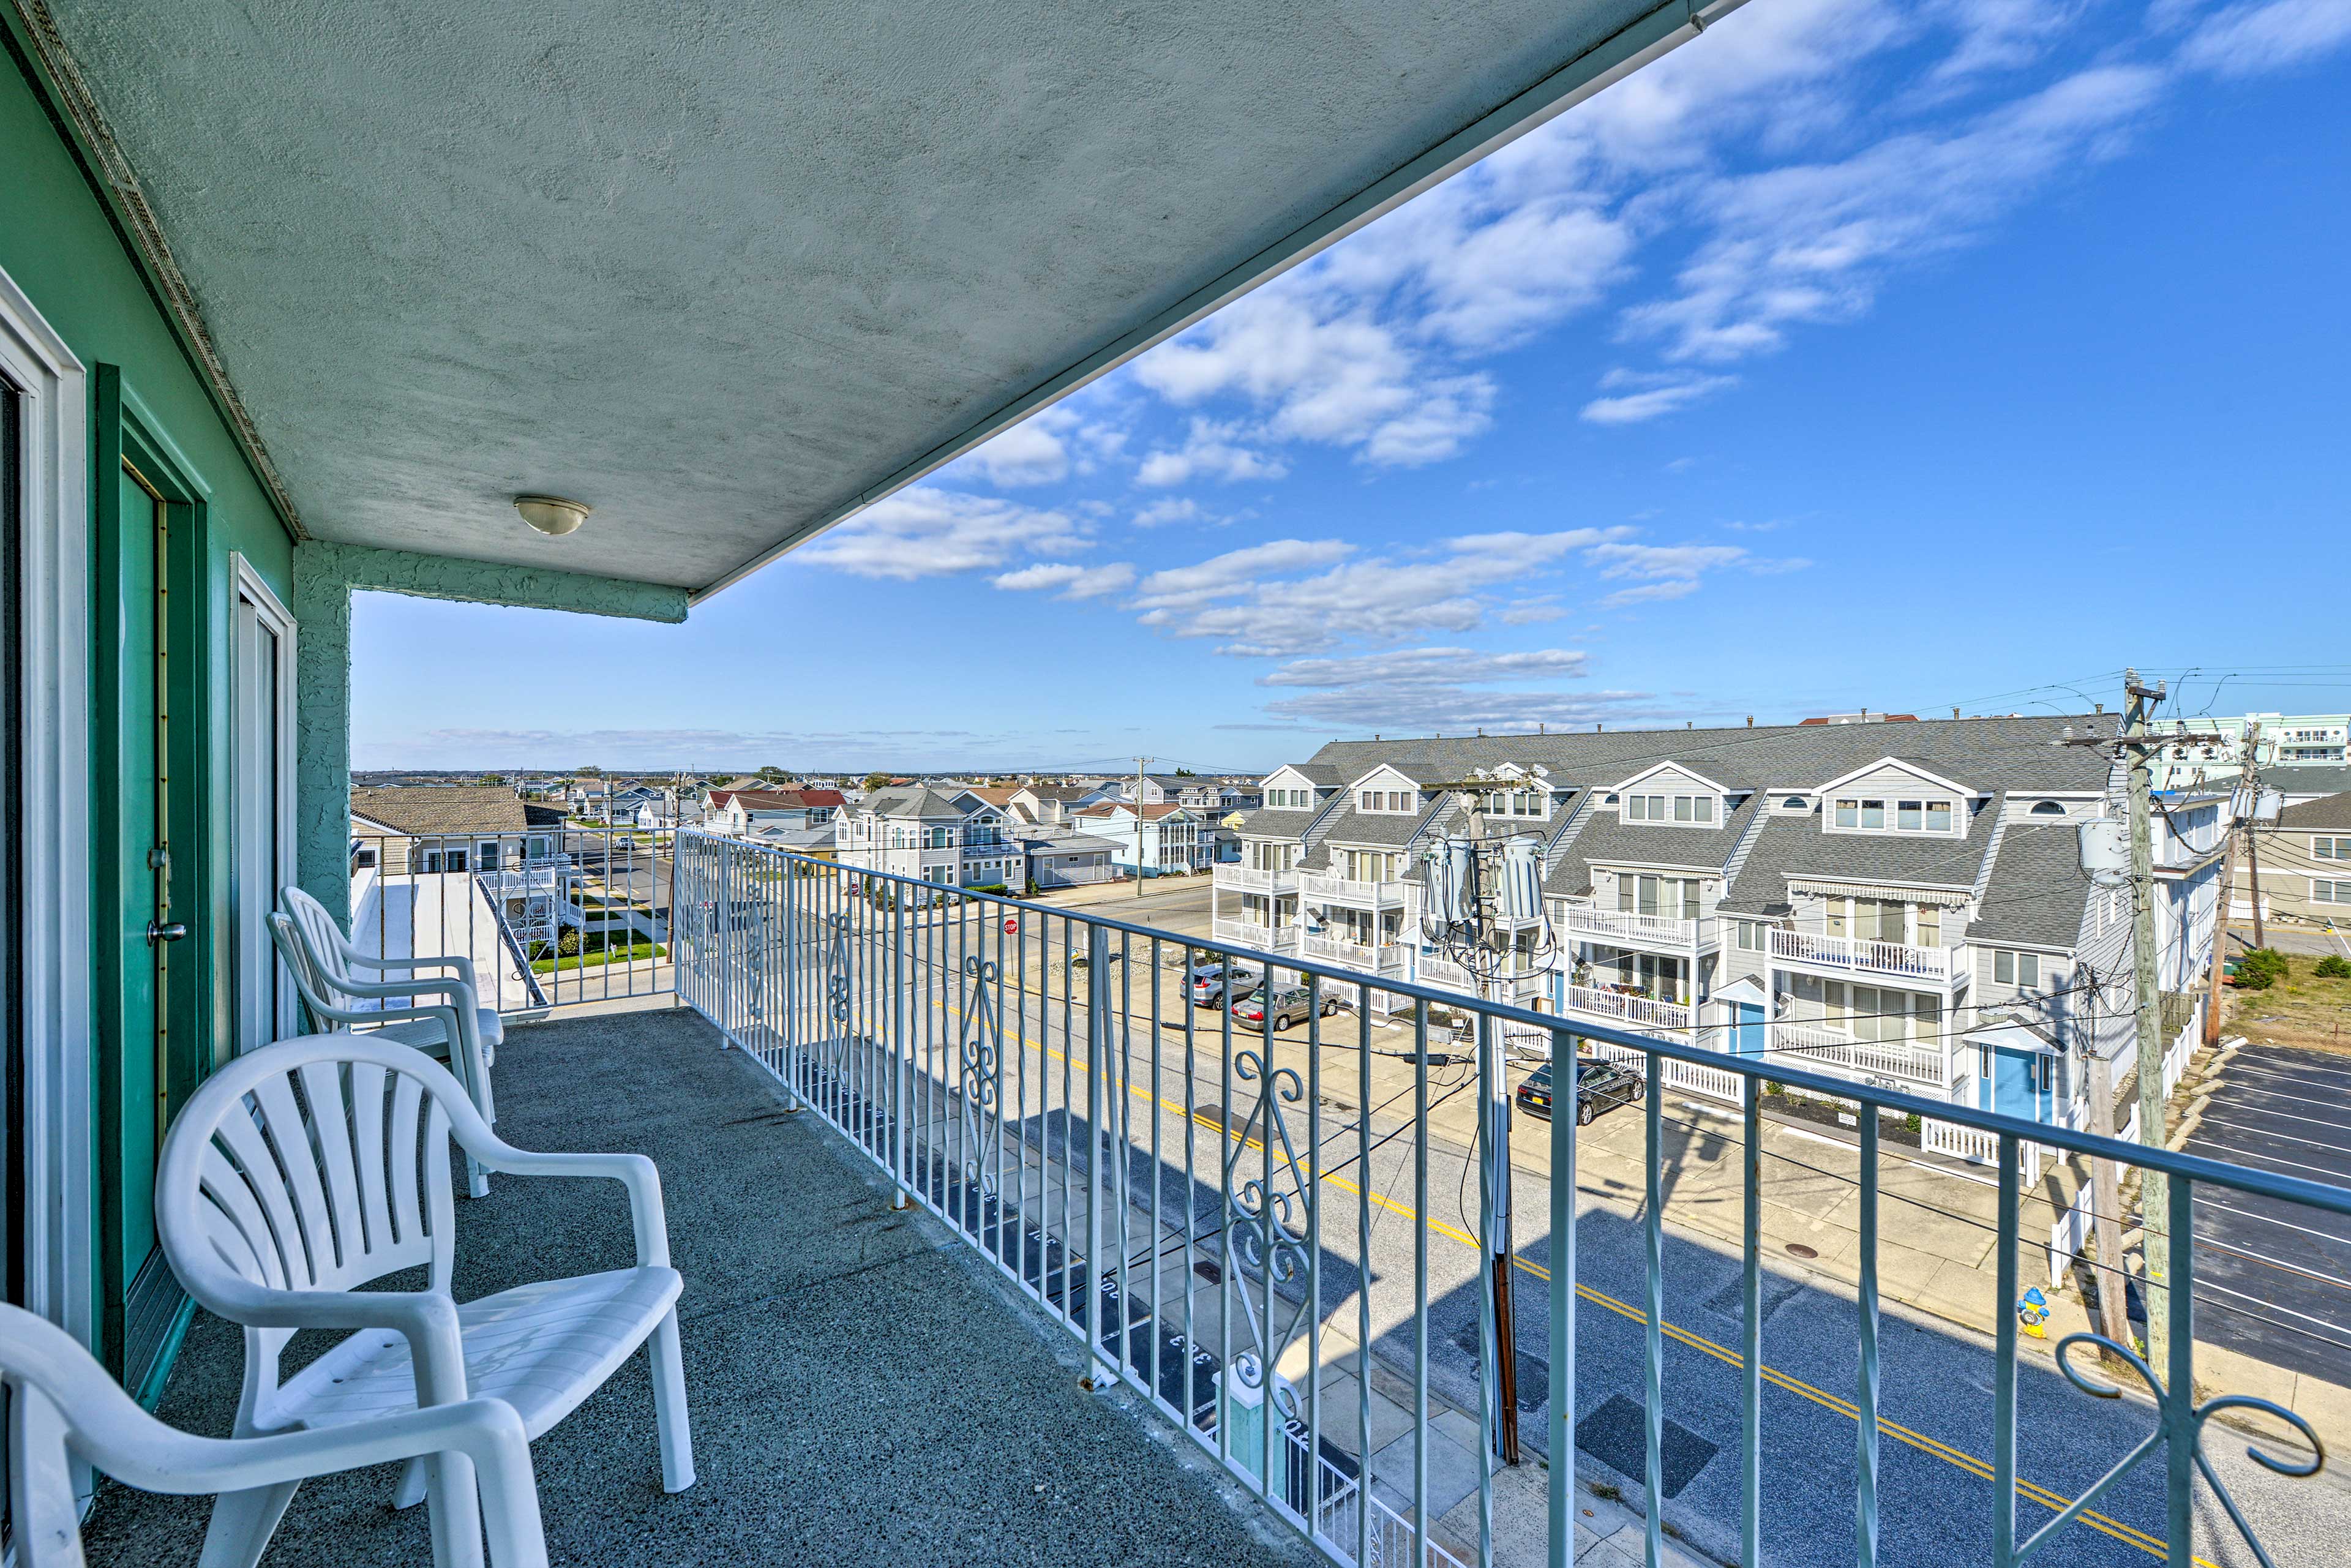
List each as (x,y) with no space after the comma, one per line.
(590,772)
(771,774)
(877,782)
(2259,968)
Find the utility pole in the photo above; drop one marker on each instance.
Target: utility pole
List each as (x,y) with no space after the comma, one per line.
(2253,825)
(2147,1002)
(1142,764)
(2106,1182)
(2248,789)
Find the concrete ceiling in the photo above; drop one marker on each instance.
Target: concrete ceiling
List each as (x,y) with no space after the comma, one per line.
(728,276)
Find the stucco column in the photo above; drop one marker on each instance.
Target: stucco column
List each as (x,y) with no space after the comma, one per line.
(325,578)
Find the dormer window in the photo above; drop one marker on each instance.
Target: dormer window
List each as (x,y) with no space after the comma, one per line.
(1869,814)
(1695,811)
(1386,801)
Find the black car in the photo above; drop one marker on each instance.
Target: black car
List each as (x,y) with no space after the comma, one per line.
(1599,1086)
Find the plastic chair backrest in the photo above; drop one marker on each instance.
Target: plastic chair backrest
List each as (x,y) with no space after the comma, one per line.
(320,936)
(287,936)
(320,1163)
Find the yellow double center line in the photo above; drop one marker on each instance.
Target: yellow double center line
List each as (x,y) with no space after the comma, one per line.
(2053,1501)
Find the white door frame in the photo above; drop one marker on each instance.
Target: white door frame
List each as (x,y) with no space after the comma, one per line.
(53,663)
(264,1011)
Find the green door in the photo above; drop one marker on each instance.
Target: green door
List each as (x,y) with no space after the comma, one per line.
(150,849)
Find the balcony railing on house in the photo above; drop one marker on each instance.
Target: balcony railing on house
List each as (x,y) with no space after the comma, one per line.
(1192,1201)
(1620,927)
(1249,879)
(1263,938)
(1862,956)
(550,917)
(1641,1012)
(1385,957)
(1920,1070)
(1349,892)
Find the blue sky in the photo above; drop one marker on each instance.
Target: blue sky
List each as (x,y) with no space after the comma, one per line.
(1854,355)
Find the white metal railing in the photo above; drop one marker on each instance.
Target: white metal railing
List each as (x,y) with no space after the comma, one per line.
(1249,879)
(1645,1013)
(550,916)
(1629,925)
(1862,954)
(1917,1069)
(1023,1073)
(1346,890)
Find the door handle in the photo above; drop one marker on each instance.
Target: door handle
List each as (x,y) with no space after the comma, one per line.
(171,933)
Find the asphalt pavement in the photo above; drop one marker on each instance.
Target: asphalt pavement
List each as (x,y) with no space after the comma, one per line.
(2276,1279)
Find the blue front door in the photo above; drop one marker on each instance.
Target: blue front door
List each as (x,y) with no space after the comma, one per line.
(2017,1085)
(1747,1033)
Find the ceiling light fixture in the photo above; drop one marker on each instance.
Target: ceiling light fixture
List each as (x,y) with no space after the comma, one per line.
(550,514)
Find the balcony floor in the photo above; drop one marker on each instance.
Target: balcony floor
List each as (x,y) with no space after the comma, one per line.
(862,1388)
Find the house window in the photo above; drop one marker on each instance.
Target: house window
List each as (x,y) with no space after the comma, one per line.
(1930,925)
(1750,936)
(2022,970)
(2324,890)
(2330,849)
(1848,813)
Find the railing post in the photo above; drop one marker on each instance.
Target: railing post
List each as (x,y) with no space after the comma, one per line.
(723,902)
(1100,1373)
(793,988)
(1562,1302)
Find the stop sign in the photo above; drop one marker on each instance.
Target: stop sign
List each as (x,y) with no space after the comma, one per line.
(1011,928)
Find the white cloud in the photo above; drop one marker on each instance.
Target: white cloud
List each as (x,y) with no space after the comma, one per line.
(1533,613)
(1073,581)
(1256,600)
(1211,451)
(1168,509)
(2246,39)
(1810,242)
(1673,588)
(924,531)
(1650,395)
(1044,449)
(1441,689)
(1236,571)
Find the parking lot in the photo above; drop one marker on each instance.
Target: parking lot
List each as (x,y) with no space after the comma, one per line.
(2275,1279)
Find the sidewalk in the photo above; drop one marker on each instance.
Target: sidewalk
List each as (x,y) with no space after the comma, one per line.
(1113,892)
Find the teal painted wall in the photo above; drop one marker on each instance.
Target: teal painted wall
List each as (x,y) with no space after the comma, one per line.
(60,247)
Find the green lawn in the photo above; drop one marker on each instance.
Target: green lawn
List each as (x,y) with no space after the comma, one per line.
(596,961)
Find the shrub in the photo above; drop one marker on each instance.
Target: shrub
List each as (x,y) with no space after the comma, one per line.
(2334,966)
(2260,969)
(567,943)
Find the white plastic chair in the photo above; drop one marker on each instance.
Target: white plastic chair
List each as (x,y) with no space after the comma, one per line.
(442,1016)
(302,1171)
(62,1401)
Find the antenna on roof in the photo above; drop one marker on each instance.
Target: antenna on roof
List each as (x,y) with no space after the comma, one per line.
(1955,711)
(1750,721)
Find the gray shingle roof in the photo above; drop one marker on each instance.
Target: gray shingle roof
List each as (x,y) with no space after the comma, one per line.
(2308,781)
(2326,811)
(1795,846)
(445,809)
(2037,891)
(1608,840)
(910,800)
(2018,754)
(1266,822)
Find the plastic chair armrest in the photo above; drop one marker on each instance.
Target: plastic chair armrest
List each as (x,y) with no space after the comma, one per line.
(426,1318)
(635,1172)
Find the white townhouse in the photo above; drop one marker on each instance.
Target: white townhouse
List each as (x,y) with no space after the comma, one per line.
(957,840)
(1171,838)
(1898,904)
(741,812)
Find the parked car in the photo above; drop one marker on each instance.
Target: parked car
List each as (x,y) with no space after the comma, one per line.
(1209,983)
(1290,1006)
(1599,1086)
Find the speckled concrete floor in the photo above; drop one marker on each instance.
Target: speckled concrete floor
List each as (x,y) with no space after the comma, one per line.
(863,1391)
